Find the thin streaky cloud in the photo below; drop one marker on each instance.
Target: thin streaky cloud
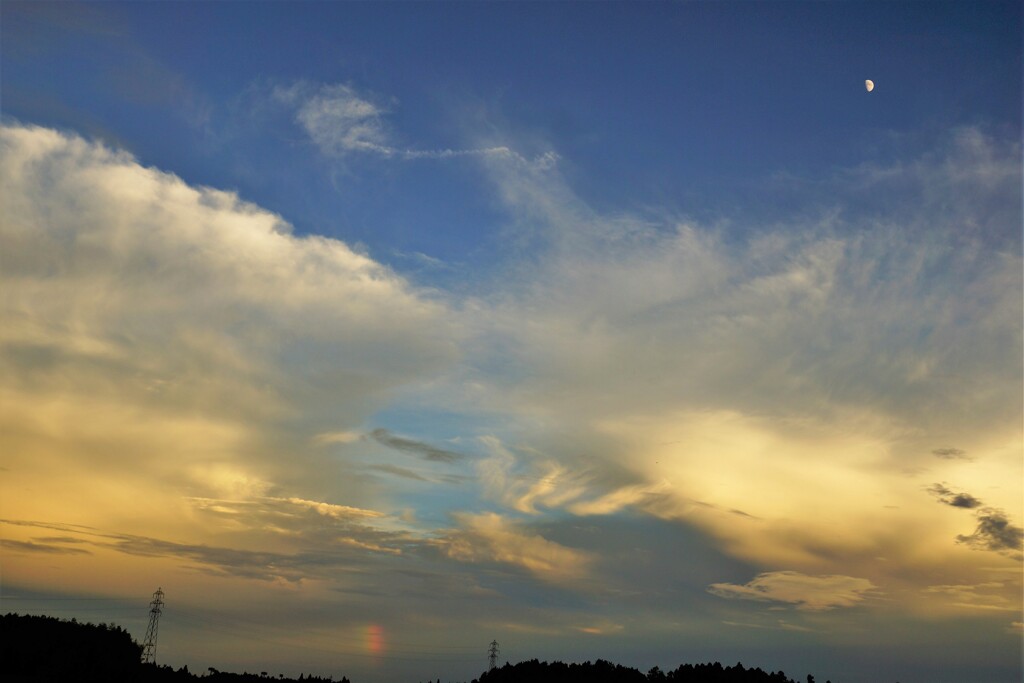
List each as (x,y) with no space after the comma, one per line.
(32,547)
(428,452)
(985,596)
(341,121)
(951,454)
(398,472)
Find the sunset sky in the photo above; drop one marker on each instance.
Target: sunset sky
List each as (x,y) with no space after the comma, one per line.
(374,332)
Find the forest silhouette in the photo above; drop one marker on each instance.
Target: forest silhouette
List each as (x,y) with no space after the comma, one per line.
(40,648)
(34,649)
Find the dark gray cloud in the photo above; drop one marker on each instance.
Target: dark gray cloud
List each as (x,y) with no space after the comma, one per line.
(57,539)
(266,566)
(32,547)
(994,532)
(327,541)
(951,454)
(386,438)
(957,500)
(398,472)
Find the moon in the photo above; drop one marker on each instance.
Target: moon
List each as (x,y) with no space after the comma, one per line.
(870,85)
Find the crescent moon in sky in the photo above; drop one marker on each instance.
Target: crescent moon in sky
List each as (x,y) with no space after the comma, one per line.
(870,85)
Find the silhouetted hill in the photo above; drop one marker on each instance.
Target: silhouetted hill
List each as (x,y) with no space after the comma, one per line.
(48,649)
(34,649)
(601,671)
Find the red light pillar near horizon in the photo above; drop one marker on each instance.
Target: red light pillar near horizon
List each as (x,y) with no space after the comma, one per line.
(374,642)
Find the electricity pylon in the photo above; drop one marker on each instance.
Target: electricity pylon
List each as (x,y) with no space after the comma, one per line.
(149,644)
(492,655)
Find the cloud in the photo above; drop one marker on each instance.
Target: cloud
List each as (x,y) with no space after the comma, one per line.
(337,119)
(398,472)
(811,593)
(544,482)
(489,537)
(329,509)
(994,532)
(957,500)
(951,454)
(46,548)
(428,452)
(301,539)
(340,121)
(138,308)
(781,625)
(975,596)
(528,481)
(328,438)
(422,260)
(654,365)
(769,318)
(820,355)
(601,628)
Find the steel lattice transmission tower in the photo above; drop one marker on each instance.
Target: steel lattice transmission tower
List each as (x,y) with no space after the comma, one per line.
(149,644)
(492,656)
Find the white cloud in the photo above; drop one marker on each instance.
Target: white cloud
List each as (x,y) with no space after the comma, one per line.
(341,121)
(794,371)
(790,372)
(811,593)
(156,329)
(842,306)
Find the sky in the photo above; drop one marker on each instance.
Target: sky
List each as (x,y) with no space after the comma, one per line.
(374,332)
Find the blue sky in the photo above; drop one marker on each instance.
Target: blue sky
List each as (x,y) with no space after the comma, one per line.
(372,332)
(658,105)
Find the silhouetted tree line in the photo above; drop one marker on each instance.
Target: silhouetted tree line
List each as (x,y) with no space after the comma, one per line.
(34,649)
(601,671)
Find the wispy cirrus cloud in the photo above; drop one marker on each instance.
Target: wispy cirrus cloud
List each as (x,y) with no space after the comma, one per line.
(489,537)
(687,369)
(342,121)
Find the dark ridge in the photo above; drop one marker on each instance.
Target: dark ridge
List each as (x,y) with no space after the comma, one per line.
(48,649)
(34,649)
(601,671)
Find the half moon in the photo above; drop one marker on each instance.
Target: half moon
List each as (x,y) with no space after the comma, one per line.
(870,85)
